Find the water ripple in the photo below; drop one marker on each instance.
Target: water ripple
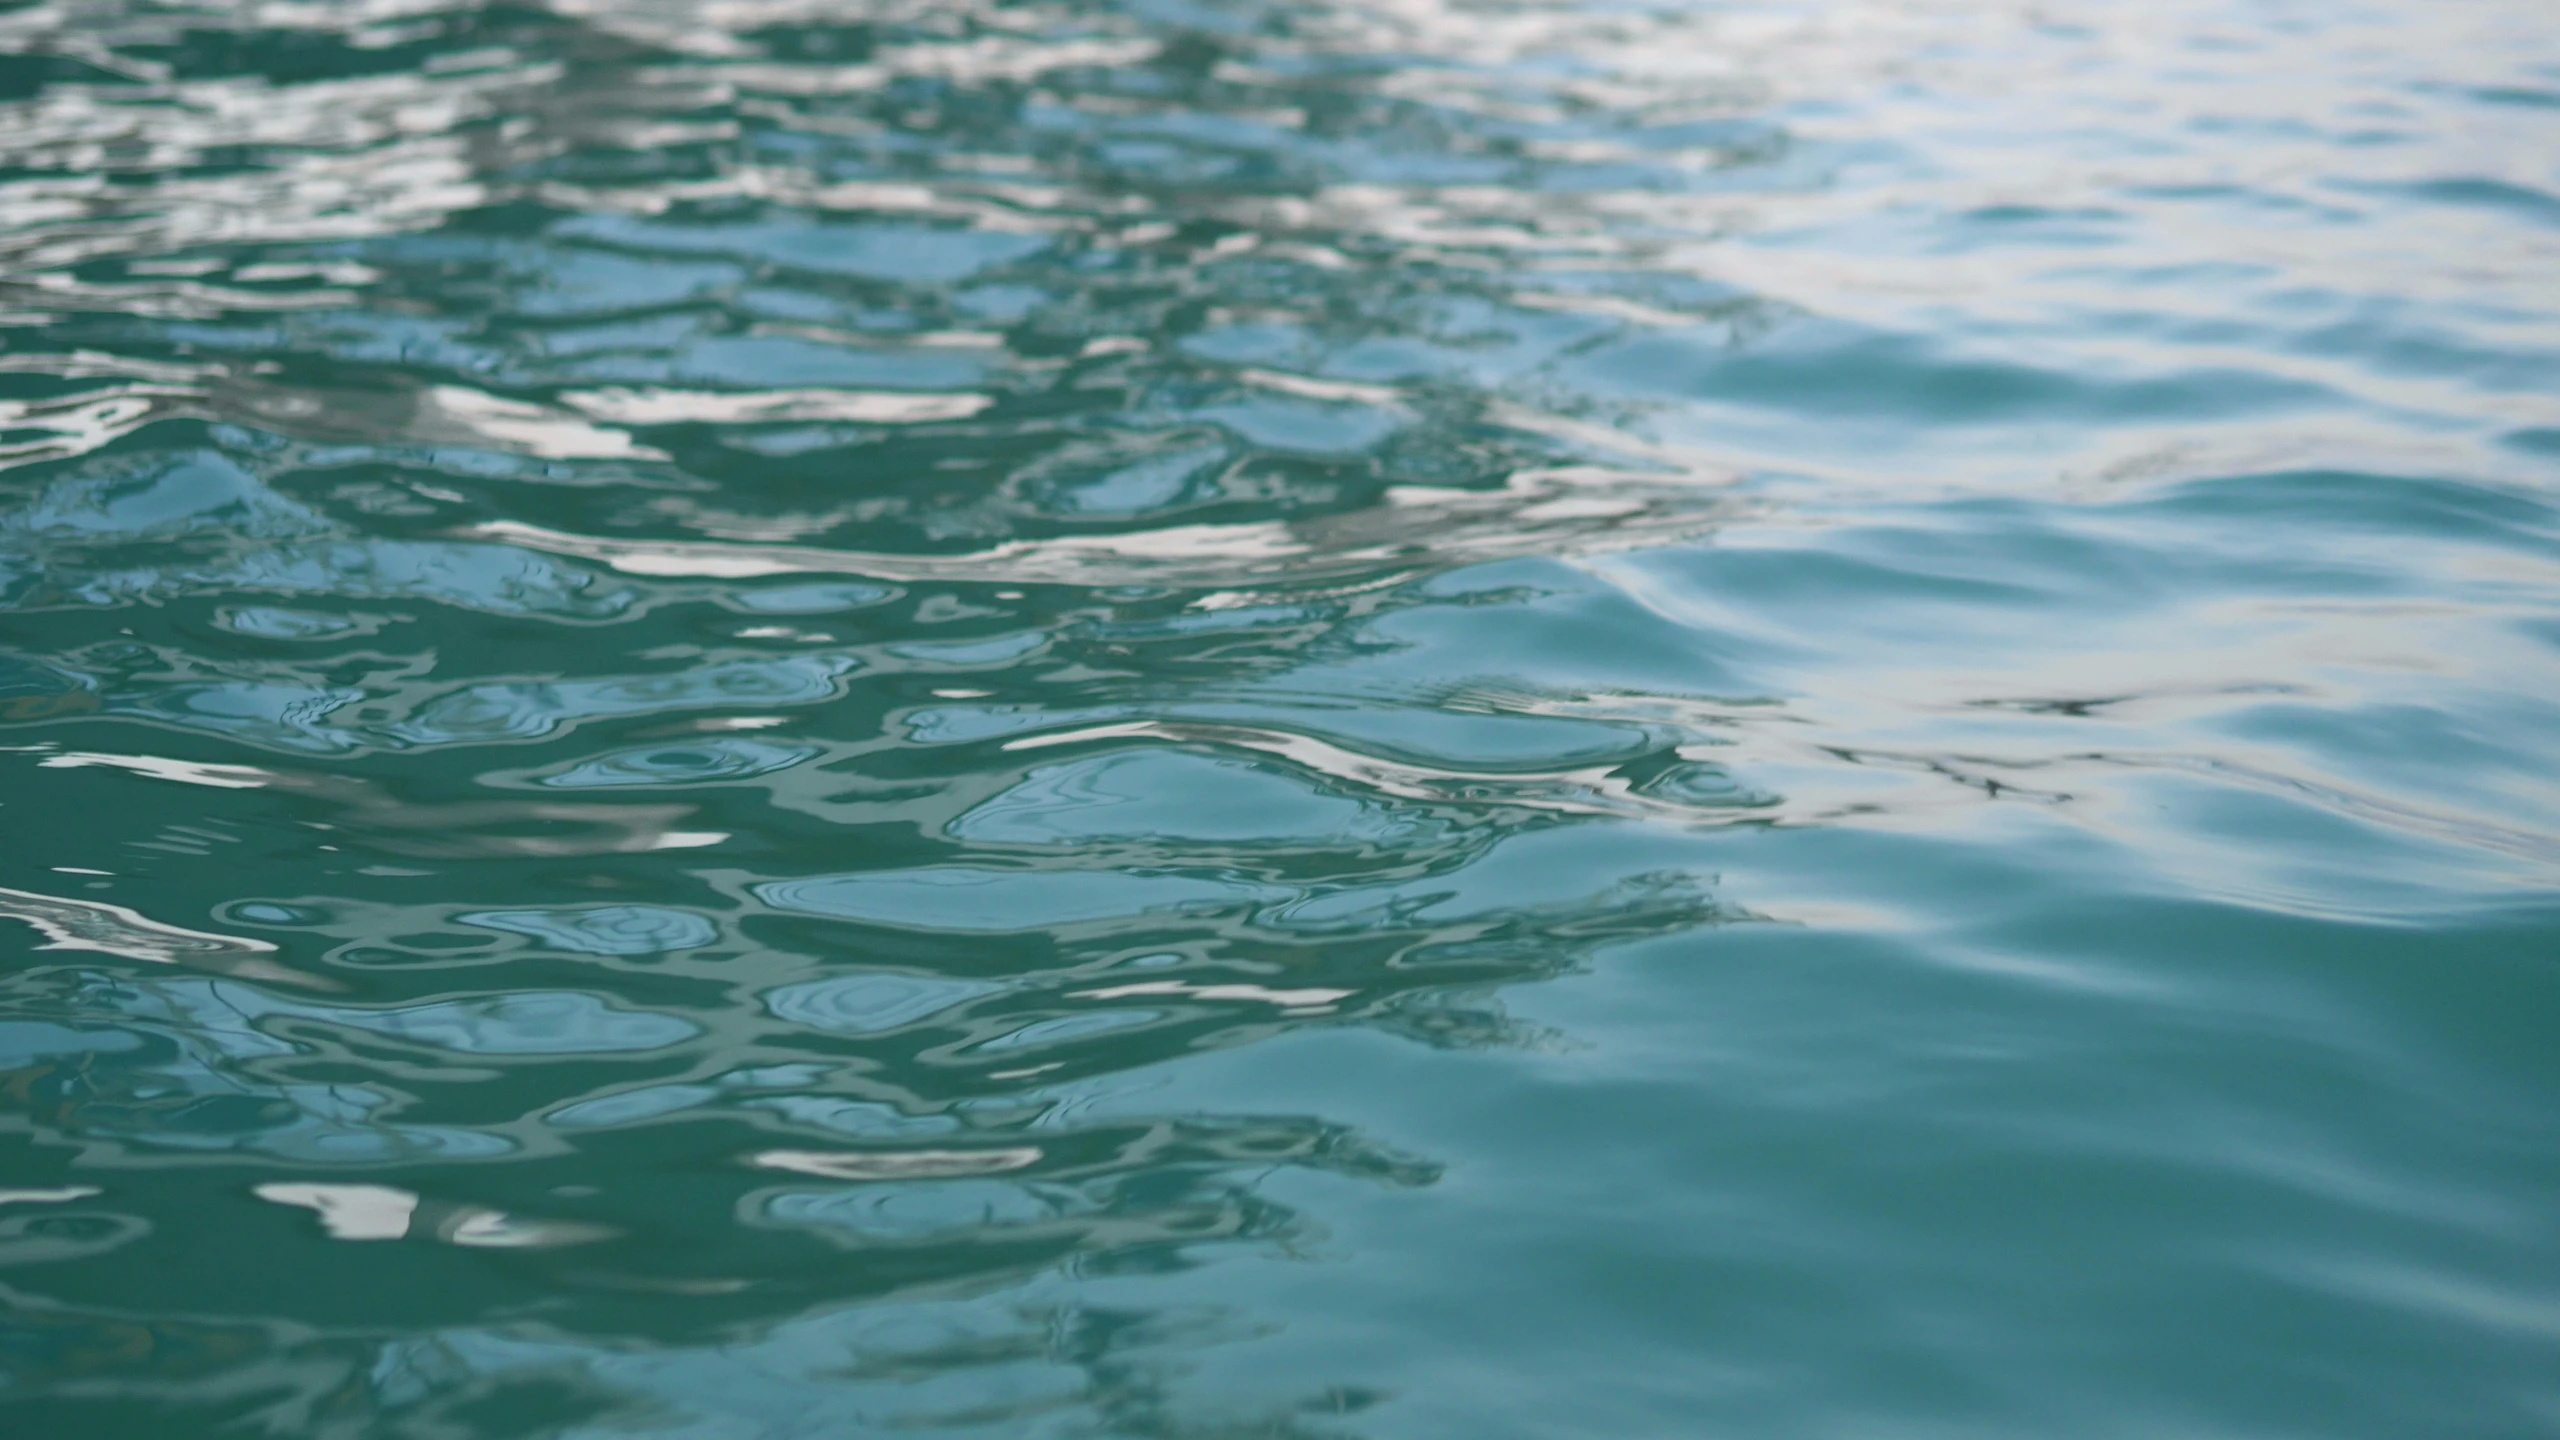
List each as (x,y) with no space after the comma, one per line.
(1199,717)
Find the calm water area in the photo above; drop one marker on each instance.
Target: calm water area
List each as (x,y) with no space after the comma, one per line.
(1311,719)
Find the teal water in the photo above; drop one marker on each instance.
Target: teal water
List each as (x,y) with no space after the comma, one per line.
(744,719)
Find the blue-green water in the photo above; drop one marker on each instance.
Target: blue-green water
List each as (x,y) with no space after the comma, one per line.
(743,719)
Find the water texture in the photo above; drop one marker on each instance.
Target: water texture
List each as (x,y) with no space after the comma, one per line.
(748,719)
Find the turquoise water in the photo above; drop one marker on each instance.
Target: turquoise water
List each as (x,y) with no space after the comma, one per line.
(741,719)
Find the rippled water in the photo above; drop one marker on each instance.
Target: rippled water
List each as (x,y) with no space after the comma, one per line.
(799,718)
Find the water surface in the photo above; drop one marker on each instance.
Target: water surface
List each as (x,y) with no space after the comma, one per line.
(741,719)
